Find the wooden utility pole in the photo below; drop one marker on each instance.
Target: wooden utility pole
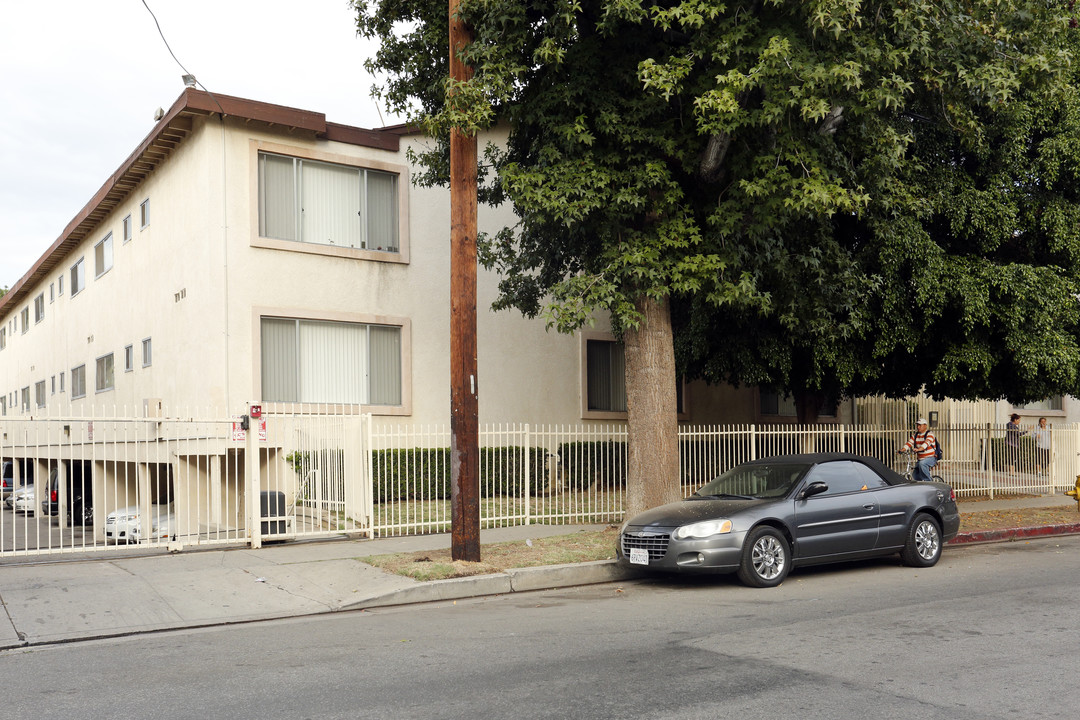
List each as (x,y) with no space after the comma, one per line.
(464,430)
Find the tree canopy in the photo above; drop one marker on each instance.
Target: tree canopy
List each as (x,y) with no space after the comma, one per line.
(830,196)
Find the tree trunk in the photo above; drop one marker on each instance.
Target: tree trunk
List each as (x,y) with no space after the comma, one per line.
(652,475)
(808,406)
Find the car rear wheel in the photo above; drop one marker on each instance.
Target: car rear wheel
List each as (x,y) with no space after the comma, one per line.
(766,558)
(923,547)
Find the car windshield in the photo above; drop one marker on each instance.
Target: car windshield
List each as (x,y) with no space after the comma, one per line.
(758,480)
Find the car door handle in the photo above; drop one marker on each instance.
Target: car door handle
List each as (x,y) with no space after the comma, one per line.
(871,506)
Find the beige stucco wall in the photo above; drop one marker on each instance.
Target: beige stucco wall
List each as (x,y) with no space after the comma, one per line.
(198,277)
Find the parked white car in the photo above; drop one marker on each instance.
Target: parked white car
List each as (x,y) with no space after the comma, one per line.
(22,500)
(125,524)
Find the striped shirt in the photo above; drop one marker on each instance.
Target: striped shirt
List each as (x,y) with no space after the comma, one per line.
(924,445)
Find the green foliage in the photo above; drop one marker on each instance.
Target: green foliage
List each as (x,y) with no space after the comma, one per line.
(425,473)
(836,196)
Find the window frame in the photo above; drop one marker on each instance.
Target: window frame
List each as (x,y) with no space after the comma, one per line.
(147,352)
(403,323)
(110,373)
(39,307)
(78,273)
(129,358)
(40,396)
(105,257)
(25,315)
(126,228)
(144,214)
(78,382)
(401,211)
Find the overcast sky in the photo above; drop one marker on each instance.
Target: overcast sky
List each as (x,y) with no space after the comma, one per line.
(80,80)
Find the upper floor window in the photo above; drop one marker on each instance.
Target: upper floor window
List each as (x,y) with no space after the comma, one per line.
(103,256)
(327,204)
(127,228)
(78,382)
(3,338)
(52,292)
(39,393)
(60,285)
(103,377)
(25,319)
(144,213)
(147,352)
(315,361)
(26,399)
(129,358)
(78,276)
(39,308)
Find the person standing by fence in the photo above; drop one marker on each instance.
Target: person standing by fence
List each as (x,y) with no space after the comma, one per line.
(924,445)
(1012,442)
(1042,447)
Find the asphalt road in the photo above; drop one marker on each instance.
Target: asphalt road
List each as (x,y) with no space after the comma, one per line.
(991,632)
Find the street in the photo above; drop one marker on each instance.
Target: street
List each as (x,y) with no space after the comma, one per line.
(988,633)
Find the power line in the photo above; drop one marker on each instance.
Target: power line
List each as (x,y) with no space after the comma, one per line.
(186,72)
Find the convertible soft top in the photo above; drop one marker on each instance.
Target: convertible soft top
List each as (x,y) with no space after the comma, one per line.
(888,474)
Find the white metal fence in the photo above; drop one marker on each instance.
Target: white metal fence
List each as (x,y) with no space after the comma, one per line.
(181,481)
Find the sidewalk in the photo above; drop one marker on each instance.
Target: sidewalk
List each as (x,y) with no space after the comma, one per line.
(58,601)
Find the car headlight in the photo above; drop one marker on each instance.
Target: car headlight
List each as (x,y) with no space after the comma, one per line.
(703,529)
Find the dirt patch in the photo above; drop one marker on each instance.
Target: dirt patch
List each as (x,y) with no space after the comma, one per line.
(582,546)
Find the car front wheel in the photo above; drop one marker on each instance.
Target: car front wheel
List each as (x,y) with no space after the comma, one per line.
(923,547)
(766,558)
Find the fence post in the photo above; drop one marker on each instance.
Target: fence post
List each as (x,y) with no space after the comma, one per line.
(753,442)
(528,473)
(989,462)
(369,452)
(254,482)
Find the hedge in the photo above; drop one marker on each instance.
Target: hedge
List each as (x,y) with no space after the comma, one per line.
(424,473)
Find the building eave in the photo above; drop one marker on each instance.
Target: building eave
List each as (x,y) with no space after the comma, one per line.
(168,133)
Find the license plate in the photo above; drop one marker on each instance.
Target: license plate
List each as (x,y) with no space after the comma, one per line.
(639,556)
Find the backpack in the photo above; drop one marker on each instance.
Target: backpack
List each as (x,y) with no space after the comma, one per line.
(938,452)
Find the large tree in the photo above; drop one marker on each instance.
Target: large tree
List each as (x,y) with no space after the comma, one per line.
(706,155)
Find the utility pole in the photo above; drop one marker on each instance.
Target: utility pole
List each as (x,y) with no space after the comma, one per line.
(464,430)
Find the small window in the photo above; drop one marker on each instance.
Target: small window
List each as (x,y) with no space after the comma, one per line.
(60,285)
(26,399)
(78,381)
(3,338)
(39,308)
(61,382)
(3,405)
(78,277)
(103,377)
(605,375)
(129,358)
(39,393)
(147,353)
(127,228)
(25,319)
(52,292)
(144,213)
(103,258)
(53,384)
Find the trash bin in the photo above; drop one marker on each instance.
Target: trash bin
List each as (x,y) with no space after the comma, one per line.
(272,504)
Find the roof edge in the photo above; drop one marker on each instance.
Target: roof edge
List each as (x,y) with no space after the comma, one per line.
(176,122)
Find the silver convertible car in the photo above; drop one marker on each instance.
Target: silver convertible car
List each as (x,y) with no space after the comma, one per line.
(762,518)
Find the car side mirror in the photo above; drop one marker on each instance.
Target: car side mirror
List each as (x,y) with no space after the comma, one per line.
(814,488)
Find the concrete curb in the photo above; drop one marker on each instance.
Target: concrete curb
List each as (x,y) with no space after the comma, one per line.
(1018,533)
(510,581)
